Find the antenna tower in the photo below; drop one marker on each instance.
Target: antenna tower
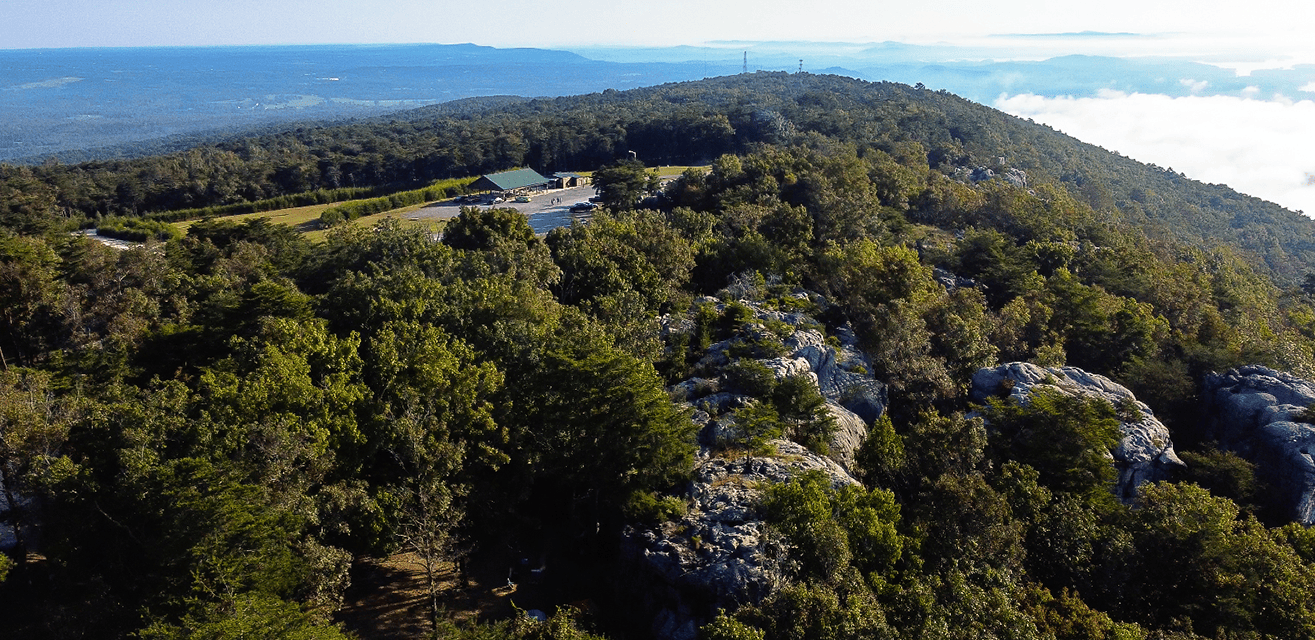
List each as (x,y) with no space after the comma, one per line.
(746,62)
(801,65)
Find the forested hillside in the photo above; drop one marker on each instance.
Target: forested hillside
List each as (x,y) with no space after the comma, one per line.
(680,124)
(200,437)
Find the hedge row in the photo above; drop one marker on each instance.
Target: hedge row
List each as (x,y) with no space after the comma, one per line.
(135,229)
(352,210)
(319,196)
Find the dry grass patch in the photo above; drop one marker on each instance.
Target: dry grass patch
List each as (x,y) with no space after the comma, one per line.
(307,219)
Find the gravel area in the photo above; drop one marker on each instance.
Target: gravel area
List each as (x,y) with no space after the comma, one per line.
(544,214)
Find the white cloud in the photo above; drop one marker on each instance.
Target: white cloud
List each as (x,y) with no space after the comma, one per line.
(1195,85)
(1258,147)
(1309,87)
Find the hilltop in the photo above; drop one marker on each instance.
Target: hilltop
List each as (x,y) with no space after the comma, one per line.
(879,362)
(689,123)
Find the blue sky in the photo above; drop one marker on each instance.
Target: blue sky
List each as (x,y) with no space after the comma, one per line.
(79,23)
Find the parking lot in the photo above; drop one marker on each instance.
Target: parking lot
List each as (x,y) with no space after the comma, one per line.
(543,213)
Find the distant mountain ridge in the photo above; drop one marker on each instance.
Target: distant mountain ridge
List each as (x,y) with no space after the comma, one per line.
(690,123)
(105,103)
(80,104)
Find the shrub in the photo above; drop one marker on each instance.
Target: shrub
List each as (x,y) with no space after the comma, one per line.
(755,425)
(136,229)
(1066,438)
(647,507)
(751,378)
(803,411)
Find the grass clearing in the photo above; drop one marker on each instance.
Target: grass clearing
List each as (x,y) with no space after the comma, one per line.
(317,234)
(307,219)
(675,170)
(303,218)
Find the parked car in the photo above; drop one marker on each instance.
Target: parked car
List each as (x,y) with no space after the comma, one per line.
(522,198)
(583,206)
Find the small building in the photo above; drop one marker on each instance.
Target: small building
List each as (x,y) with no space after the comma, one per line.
(517,181)
(563,180)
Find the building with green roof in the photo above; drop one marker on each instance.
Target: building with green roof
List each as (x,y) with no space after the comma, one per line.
(520,179)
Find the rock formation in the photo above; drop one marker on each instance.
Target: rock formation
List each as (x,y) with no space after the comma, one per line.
(840,371)
(1145,452)
(719,555)
(1260,414)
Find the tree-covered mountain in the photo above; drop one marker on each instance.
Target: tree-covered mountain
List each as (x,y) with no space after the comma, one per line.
(679,123)
(201,438)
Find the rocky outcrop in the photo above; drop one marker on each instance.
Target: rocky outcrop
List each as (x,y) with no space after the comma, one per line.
(841,372)
(1014,176)
(1260,414)
(719,555)
(839,369)
(1145,452)
(951,281)
(851,430)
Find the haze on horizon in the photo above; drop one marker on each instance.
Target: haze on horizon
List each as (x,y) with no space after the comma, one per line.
(1258,144)
(1246,28)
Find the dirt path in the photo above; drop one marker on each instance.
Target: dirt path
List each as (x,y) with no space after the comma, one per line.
(387,598)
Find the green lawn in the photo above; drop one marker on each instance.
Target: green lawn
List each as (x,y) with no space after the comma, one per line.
(317,234)
(304,218)
(675,170)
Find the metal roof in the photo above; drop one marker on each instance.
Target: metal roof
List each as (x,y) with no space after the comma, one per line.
(518,179)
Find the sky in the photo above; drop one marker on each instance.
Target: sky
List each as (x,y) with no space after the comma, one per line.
(509,23)
(1258,144)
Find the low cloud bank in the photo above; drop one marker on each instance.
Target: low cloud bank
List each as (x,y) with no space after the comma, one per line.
(1264,148)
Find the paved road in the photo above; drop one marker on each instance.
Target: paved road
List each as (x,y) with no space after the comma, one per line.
(113,243)
(543,214)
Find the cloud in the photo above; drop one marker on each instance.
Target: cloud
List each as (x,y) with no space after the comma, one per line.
(1309,87)
(1070,34)
(1196,86)
(46,84)
(1258,147)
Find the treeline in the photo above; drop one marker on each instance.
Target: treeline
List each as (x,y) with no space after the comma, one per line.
(684,123)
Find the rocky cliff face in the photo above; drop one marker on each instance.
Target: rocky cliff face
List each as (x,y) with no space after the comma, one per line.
(1260,414)
(839,370)
(720,554)
(1145,453)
